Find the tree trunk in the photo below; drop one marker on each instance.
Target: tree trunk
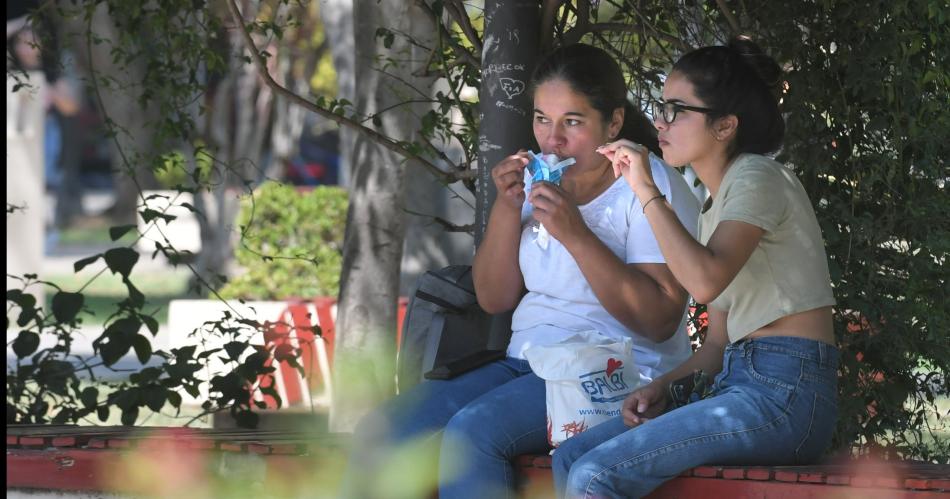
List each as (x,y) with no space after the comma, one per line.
(512,31)
(134,140)
(376,220)
(338,26)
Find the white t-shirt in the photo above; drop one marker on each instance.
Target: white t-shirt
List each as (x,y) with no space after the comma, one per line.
(560,301)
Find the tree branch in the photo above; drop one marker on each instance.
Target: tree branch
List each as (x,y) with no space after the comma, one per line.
(582,27)
(730,17)
(446,225)
(459,50)
(379,138)
(457,11)
(647,31)
(548,11)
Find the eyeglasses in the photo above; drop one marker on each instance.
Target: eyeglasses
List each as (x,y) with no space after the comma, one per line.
(668,110)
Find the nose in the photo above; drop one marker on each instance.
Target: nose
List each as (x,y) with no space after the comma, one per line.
(555,138)
(658,122)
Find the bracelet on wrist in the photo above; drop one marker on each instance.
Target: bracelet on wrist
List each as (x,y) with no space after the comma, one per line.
(654,198)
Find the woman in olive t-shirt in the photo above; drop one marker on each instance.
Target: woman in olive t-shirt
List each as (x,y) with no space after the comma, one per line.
(761,268)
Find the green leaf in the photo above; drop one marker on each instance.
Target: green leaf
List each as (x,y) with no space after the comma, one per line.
(235,349)
(118,231)
(192,390)
(126,398)
(149,214)
(184,353)
(55,374)
(20,298)
(174,398)
(66,306)
(27,314)
(27,304)
(89,397)
(143,348)
(156,196)
(136,298)
(121,260)
(151,323)
(113,350)
(155,397)
(103,412)
(272,391)
(124,327)
(25,343)
(81,264)
(284,353)
(130,415)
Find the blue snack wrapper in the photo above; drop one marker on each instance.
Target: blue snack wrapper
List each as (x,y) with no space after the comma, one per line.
(549,168)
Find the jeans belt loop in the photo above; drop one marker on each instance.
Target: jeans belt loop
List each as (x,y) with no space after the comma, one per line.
(824,355)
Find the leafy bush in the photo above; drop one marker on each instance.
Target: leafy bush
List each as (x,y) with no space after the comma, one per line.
(292,243)
(867,122)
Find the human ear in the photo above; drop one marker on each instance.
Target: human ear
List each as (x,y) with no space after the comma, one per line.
(616,122)
(724,129)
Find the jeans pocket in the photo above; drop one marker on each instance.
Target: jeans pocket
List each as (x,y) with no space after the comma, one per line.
(776,370)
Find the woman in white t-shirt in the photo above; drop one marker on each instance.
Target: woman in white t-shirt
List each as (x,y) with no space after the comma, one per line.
(601,270)
(761,267)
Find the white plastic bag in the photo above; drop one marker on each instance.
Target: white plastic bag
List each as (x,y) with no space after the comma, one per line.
(587,377)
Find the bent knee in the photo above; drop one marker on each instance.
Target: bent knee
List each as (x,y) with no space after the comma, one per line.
(465,422)
(583,474)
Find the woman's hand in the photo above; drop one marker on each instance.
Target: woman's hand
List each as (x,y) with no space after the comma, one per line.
(508,176)
(631,160)
(645,403)
(556,211)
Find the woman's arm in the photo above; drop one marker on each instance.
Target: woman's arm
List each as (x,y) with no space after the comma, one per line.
(496,273)
(651,400)
(704,271)
(644,297)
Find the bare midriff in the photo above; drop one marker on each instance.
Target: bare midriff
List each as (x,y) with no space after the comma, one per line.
(811,324)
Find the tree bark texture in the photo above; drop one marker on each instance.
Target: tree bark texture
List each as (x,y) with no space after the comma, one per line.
(376,220)
(512,30)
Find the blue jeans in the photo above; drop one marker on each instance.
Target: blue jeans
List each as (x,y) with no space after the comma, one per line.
(775,402)
(487,417)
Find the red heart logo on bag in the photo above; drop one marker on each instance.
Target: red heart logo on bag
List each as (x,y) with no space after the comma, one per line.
(613,365)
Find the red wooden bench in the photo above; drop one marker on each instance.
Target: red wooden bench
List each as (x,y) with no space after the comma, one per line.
(176,461)
(847,479)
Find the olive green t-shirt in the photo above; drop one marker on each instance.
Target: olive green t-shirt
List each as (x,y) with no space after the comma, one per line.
(788,270)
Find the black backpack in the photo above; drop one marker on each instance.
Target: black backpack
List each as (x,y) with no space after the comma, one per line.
(445,332)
